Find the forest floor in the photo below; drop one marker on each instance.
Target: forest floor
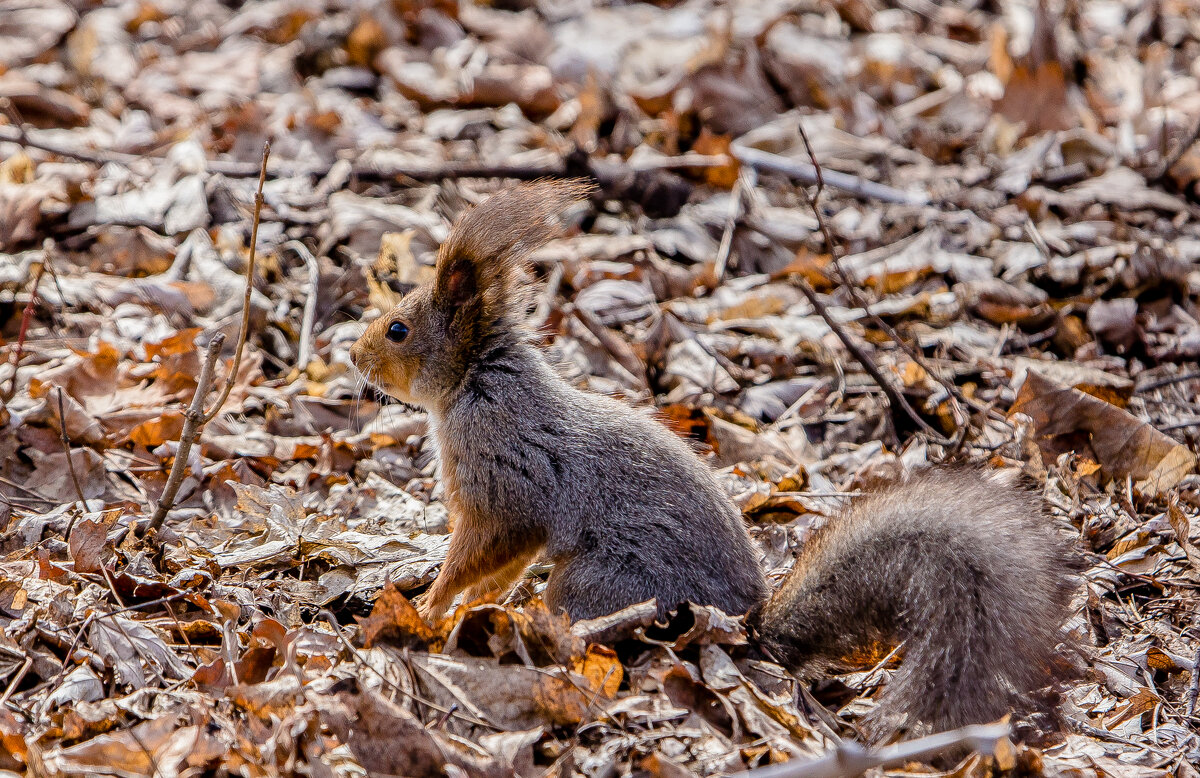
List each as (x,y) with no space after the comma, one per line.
(1003,231)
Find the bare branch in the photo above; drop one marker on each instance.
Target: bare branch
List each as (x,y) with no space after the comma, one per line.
(245,329)
(895,399)
(735,209)
(807,173)
(26,317)
(960,418)
(193,421)
(233,169)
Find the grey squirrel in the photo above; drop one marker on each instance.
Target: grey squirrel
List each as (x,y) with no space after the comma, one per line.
(962,568)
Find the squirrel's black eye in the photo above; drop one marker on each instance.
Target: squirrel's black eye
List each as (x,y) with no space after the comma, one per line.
(397,331)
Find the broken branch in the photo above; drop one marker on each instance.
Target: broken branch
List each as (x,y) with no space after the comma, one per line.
(66,442)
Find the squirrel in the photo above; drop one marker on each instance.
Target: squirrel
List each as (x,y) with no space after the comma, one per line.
(963,568)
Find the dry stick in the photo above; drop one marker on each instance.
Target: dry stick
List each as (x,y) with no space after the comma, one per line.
(10,110)
(20,676)
(126,609)
(1172,379)
(731,219)
(860,355)
(812,174)
(66,441)
(849,759)
(182,632)
(1194,686)
(358,659)
(310,303)
(960,419)
(193,420)
(26,317)
(245,330)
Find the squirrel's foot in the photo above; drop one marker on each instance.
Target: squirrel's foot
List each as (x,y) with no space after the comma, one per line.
(431,610)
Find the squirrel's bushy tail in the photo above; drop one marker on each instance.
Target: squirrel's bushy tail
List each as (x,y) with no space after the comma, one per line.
(967,571)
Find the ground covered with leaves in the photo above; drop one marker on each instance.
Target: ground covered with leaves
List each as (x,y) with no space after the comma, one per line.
(1002,264)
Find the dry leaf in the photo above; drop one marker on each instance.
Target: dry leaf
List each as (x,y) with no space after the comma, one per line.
(1123,445)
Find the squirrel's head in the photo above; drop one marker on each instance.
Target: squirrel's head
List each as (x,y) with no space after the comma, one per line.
(420,351)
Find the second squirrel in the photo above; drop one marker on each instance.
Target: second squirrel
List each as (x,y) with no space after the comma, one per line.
(961,567)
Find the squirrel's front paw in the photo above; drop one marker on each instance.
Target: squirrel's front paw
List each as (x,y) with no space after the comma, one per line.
(430,610)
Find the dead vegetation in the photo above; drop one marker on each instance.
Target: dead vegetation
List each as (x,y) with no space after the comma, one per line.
(832,239)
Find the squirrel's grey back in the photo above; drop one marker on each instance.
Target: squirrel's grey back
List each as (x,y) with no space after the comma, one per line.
(628,509)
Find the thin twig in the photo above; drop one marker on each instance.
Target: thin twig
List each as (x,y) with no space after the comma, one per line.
(10,108)
(960,418)
(861,356)
(20,676)
(182,633)
(328,616)
(126,609)
(1194,687)
(1112,737)
(193,421)
(26,317)
(740,187)
(1178,378)
(62,671)
(245,329)
(66,441)
(310,302)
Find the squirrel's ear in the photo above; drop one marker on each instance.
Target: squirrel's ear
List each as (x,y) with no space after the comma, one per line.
(457,282)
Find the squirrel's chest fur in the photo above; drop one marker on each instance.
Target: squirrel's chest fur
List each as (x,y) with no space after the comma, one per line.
(611,494)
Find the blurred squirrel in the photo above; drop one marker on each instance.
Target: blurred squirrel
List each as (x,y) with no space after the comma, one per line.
(961,567)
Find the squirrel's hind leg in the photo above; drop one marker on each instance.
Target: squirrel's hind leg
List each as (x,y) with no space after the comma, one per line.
(501,580)
(478,555)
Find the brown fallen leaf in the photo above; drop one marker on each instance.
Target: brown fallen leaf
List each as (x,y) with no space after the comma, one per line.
(505,696)
(394,620)
(87,546)
(1182,529)
(1124,446)
(387,739)
(602,669)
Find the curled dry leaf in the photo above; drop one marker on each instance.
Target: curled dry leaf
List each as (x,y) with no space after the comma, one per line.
(1067,419)
(394,620)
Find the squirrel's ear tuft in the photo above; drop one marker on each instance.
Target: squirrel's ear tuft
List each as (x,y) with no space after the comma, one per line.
(486,248)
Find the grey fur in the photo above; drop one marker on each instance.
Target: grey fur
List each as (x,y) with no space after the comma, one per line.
(964,569)
(628,510)
(967,571)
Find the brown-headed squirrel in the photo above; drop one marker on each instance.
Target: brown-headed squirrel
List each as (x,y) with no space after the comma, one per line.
(961,567)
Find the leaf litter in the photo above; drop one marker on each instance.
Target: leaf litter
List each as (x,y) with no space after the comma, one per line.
(1011,190)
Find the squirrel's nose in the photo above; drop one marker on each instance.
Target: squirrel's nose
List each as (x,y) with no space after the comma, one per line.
(355,350)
